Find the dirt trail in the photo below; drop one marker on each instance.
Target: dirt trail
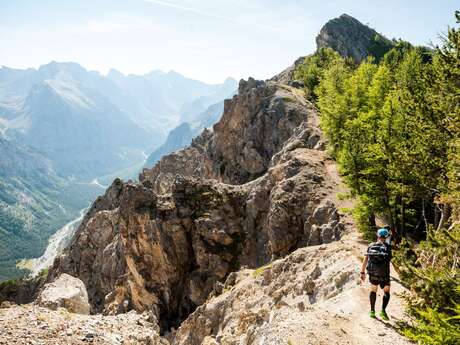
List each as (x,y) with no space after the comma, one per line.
(344,318)
(311,297)
(349,311)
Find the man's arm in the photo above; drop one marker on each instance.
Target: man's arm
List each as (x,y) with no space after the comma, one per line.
(363,268)
(390,253)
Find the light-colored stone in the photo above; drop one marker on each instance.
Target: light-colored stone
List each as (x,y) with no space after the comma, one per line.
(67,292)
(311,298)
(5,304)
(25,324)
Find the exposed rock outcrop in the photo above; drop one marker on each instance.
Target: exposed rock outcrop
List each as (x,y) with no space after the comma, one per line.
(350,38)
(287,76)
(65,292)
(240,195)
(311,296)
(254,126)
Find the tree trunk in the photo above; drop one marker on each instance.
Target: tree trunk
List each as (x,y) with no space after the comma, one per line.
(371,220)
(403,217)
(445,213)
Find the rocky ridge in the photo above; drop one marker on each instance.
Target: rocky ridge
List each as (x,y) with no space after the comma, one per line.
(34,325)
(250,191)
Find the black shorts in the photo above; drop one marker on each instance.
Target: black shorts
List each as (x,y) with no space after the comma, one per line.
(382,281)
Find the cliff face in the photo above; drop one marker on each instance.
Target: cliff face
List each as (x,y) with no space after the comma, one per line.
(253,189)
(353,39)
(254,126)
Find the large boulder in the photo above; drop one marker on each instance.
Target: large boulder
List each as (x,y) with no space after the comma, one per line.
(66,292)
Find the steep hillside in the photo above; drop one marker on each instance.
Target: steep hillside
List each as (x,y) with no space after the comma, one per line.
(81,126)
(64,114)
(75,117)
(202,255)
(312,296)
(34,203)
(191,111)
(178,138)
(168,97)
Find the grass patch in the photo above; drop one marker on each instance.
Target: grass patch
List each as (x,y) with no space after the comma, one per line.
(343,196)
(258,272)
(346,210)
(288,100)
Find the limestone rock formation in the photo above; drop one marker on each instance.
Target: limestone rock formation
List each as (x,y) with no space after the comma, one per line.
(252,190)
(65,292)
(352,39)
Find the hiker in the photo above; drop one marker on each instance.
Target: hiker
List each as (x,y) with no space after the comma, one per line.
(377,263)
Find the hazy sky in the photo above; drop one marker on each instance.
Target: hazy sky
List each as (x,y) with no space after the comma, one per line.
(204,39)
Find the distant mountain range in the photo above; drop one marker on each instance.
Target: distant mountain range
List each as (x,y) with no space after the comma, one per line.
(88,124)
(61,126)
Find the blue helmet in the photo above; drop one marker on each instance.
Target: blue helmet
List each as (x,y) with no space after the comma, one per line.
(383,233)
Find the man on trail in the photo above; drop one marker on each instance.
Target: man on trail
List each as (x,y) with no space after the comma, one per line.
(377,263)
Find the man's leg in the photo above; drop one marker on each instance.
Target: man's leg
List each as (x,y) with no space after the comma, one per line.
(386,297)
(372,296)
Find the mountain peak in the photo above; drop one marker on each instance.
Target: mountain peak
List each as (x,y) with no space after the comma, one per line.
(230,81)
(115,74)
(351,38)
(156,72)
(55,67)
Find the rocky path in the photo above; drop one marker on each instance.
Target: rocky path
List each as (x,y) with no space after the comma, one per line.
(348,312)
(311,297)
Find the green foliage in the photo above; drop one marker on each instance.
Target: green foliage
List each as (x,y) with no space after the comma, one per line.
(311,71)
(32,208)
(382,129)
(363,215)
(379,47)
(432,271)
(393,125)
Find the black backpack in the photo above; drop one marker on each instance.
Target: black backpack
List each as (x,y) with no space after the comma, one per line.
(379,255)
